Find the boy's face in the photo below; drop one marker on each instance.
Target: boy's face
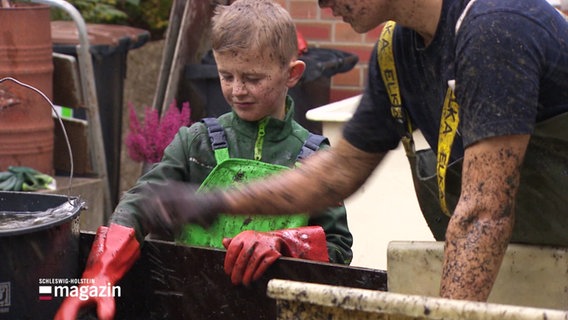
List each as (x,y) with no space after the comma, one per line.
(254,84)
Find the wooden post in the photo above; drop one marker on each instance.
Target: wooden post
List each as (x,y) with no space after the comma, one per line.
(187,41)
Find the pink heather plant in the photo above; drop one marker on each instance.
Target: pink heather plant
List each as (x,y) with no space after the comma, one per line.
(146,142)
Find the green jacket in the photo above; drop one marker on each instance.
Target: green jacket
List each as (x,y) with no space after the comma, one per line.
(189,157)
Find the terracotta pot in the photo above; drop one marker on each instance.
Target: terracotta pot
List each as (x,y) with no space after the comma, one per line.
(26,46)
(26,124)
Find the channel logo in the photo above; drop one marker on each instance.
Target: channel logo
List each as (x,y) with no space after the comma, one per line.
(83,292)
(4,296)
(45,293)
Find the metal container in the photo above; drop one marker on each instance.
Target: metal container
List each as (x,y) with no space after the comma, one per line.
(26,128)
(25,45)
(39,248)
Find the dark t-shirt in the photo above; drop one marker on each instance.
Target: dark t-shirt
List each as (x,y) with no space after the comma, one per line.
(509,61)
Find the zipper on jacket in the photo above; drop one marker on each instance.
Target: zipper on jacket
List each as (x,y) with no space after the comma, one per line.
(260,138)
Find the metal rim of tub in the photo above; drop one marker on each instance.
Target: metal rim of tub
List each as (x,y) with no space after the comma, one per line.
(56,211)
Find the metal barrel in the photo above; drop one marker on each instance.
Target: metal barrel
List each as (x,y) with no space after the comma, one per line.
(26,123)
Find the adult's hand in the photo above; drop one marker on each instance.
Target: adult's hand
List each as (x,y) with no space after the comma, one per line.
(167,207)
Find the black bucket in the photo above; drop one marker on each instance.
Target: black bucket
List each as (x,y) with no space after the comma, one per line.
(39,250)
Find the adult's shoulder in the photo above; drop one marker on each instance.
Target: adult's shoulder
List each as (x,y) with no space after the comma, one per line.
(510,14)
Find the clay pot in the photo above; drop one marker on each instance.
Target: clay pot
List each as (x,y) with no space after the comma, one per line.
(26,46)
(26,124)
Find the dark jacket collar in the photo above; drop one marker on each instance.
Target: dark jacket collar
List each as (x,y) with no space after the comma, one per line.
(276,129)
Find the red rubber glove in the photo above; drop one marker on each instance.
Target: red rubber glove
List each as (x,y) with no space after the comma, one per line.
(250,253)
(113,253)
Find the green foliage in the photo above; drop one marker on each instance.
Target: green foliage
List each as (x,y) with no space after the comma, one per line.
(151,15)
(95,11)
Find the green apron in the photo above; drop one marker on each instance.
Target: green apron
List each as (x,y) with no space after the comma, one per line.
(230,172)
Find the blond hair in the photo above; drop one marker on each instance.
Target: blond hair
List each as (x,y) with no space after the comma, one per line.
(255,25)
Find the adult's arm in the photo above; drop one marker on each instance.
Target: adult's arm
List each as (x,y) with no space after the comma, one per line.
(482,224)
(323,180)
(173,167)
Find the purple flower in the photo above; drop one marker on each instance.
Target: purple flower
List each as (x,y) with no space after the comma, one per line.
(147,141)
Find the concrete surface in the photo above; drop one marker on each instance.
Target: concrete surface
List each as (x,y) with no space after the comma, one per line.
(385,208)
(301,300)
(530,276)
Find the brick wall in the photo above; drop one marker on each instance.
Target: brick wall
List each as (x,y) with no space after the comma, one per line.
(322,30)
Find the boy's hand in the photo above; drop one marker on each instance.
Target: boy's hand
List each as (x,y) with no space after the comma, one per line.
(166,208)
(250,253)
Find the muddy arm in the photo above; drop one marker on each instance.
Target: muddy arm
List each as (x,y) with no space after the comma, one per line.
(325,179)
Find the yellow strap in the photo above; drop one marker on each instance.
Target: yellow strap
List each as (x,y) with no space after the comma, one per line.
(448,129)
(385,59)
(388,70)
(449,122)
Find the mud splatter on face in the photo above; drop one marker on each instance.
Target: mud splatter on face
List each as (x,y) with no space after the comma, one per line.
(253,82)
(348,8)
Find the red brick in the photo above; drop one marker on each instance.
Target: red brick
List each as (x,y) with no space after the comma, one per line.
(340,94)
(344,33)
(283,3)
(373,35)
(327,14)
(362,51)
(321,29)
(304,9)
(315,31)
(351,78)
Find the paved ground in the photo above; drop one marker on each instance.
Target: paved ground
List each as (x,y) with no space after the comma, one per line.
(385,209)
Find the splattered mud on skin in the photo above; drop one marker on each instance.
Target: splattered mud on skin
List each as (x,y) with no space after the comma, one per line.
(324,179)
(482,224)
